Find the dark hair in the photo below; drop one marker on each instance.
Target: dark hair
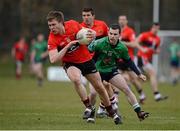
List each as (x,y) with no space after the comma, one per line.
(88,9)
(115,26)
(58,15)
(156,24)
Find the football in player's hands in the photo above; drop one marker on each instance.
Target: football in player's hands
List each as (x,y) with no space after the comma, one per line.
(85,36)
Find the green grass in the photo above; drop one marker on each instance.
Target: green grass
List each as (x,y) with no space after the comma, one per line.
(23,105)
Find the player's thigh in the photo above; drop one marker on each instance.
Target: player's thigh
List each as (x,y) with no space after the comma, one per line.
(37,67)
(94,79)
(126,76)
(149,69)
(119,82)
(132,75)
(73,73)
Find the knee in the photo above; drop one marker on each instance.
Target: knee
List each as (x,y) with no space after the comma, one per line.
(127,90)
(76,81)
(107,86)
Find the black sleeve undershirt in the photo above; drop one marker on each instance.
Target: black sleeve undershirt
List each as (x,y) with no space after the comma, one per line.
(132,66)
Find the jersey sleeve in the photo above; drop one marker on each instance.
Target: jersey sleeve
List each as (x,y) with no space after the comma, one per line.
(75,23)
(95,45)
(142,37)
(132,36)
(92,46)
(51,43)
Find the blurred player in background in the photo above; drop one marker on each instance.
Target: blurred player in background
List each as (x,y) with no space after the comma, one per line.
(174,49)
(31,70)
(19,52)
(77,60)
(150,41)
(39,54)
(128,35)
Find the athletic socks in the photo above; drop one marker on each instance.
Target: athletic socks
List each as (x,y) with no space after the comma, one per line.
(116,94)
(137,107)
(87,103)
(114,102)
(110,111)
(101,109)
(157,95)
(142,96)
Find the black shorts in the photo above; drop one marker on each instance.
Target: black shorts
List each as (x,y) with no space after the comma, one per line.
(86,67)
(174,63)
(109,75)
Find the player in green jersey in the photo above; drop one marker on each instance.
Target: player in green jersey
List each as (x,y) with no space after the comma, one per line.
(110,51)
(174,49)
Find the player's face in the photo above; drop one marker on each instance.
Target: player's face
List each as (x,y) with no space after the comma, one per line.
(155,29)
(56,27)
(88,18)
(122,21)
(40,37)
(113,36)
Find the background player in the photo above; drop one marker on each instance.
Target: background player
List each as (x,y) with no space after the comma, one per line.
(38,56)
(18,52)
(151,42)
(128,35)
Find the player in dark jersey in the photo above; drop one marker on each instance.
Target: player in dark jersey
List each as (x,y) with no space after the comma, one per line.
(150,41)
(111,50)
(128,35)
(63,46)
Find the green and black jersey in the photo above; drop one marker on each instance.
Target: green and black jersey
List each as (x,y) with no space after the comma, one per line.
(108,54)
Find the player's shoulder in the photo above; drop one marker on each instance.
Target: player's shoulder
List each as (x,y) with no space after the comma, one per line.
(82,24)
(103,41)
(145,34)
(122,45)
(130,29)
(99,22)
(70,22)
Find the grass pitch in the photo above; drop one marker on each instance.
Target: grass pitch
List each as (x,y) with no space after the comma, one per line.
(56,106)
